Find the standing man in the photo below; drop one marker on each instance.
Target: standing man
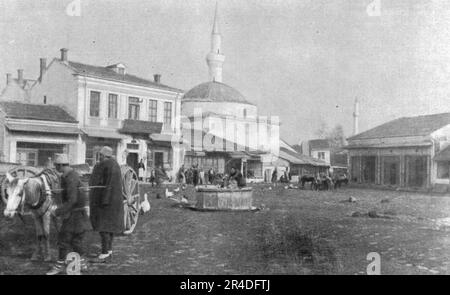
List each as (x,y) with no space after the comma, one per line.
(181,175)
(141,170)
(72,211)
(194,175)
(211,175)
(275,176)
(106,204)
(238,177)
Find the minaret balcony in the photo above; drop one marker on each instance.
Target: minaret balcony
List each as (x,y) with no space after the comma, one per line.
(215,57)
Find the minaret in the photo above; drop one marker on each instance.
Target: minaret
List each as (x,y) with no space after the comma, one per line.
(215,58)
(356,117)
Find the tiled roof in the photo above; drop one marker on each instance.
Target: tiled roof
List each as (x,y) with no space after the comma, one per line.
(72,130)
(319,144)
(215,92)
(407,126)
(443,155)
(43,112)
(296,158)
(109,74)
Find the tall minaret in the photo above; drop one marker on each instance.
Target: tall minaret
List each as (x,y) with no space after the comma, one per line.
(215,58)
(356,117)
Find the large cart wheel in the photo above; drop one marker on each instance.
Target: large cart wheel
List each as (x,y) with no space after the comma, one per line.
(20,172)
(131,202)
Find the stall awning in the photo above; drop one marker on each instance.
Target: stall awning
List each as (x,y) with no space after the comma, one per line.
(443,155)
(104,133)
(195,153)
(244,155)
(299,159)
(140,127)
(68,130)
(164,140)
(388,145)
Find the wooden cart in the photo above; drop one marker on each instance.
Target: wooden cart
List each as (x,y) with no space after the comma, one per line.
(130,192)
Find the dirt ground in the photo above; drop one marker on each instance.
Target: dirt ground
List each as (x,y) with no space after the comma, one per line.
(296,232)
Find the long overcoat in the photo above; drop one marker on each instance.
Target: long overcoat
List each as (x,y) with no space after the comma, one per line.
(106,204)
(72,210)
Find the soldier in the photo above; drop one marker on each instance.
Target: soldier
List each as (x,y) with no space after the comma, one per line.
(72,211)
(106,204)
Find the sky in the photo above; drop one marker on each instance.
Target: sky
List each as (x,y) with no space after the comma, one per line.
(303,60)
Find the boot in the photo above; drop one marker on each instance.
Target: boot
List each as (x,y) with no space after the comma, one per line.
(103,258)
(83,265)
(58,267)
(45,251)
(37,252)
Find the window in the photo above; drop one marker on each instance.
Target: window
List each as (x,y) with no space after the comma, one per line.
(133,108)
(93,147)
(112,106)
(37,154)
(417,173)
(167,114)
(245,113)
(152,110)
(443,169)
(391,170)
(45,99)
(94,110)
(321,155)
(368,169)
(27,157)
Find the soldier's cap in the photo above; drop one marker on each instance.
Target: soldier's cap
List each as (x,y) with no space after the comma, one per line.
(106,151)
(61,159)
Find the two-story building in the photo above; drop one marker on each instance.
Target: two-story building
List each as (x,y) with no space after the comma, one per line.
(136,117)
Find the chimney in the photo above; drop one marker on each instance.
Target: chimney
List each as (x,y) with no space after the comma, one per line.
(43,67)
(157,78)
(8,78)
(20,76)
(64,54)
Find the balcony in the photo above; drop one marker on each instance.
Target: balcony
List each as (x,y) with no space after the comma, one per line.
(136,127)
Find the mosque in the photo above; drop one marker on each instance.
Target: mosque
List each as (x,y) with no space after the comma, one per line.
(222,129)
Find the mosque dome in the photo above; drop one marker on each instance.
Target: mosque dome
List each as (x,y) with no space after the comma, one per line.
(215,92)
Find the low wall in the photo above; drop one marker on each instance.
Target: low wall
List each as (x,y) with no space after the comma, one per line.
(224,199)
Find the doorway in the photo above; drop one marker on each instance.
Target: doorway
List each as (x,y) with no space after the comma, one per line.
(132,161)
(159,160)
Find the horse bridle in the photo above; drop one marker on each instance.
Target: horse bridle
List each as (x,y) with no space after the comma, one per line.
(38,204)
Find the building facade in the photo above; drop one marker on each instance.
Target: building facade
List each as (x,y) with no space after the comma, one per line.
(408,152)
(31,134)
(136,117)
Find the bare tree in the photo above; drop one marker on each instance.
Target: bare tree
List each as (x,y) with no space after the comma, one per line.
(336,136)
(323,130)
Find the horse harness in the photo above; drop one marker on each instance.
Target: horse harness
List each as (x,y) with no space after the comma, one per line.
(43,204)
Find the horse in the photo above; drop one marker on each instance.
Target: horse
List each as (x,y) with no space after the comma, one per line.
(324,183)
(33,193)
(339,181)
(304,179)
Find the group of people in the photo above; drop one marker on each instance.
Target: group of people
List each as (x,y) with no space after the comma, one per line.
(195,176)
(106,211)
(157,175)
(286,177)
